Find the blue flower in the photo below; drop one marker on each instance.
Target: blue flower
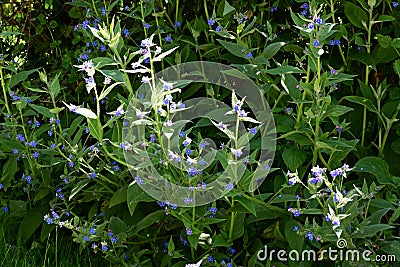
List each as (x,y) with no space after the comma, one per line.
(253,131)
(92,231)
(213,210)
(316,43)
(189,231)
(104,247)
(232,250)
(168,39)
(15,151)
(310,236)
(295,228)
(36,155)
(147,25)
(229,187)
(86,238)
(395,4)
(103,48)
(126,32)
(218,29)
(249,55)
(211,22)
(177,24)
(1,186)
(210,259)
(37,124)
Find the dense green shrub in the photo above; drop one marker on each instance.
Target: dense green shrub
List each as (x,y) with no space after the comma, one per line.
(72,78)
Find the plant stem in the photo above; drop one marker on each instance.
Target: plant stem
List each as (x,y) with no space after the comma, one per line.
(4,91)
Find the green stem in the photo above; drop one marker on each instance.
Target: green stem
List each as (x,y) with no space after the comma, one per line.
(4,91)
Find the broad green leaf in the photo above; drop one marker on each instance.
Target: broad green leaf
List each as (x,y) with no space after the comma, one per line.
(117,225)
(119,196)
(149,220)
(9,170)
(272,49)
(396,67)
(284,70)
(95,128)
(228,8)
(42,110)
(19,77)
(116,75)
(371,230)
(55,85)
(31,221)
(100,62)
(293,158)
(247,204)
(376,166)
(355,14)
(234,49)
(295,241)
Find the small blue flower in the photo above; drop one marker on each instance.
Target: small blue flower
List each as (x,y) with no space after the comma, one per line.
(1,186)
(147,25)
(168,39)
(232,250)
(296,213)
(229,187)
(104,248)
(211,22)
(15,151)
(295,228)
(37,124)
(189,231)
(126,32)
(92,231)
(316,43)
(210,259)
(253,131)
(310,236)
(395,4)
(86,238)
(103,11)
(177,24)
(249,55)
(103,48)
(218,28)
(36,155)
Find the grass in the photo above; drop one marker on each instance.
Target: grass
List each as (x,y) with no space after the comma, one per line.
(66,253)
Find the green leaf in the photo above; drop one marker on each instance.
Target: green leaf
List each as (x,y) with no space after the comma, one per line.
(149,220)
(284,70)
(55,85)
(9,170)
(100,62)
(376,166)
(220,241)
(299,137)
(117,225)
(234,49)
(19,77)
(116,75)
(336,111)
(31,221)
(227,8)
(42,110)
(371,230)
(95,129)
(78,187)
(383,18)
(272,49)
(396,67)
(119,196)
(295,241)
(293,158)
(355,14)
(247,204)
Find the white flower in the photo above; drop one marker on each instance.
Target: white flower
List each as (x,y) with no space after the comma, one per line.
(191,161)
(107,80)
(87,66)
(168,123)
(335,219)
(146,79)
(340,199)
(158,50)
(194,264)
(90,84)
(205,238)
(167,86)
